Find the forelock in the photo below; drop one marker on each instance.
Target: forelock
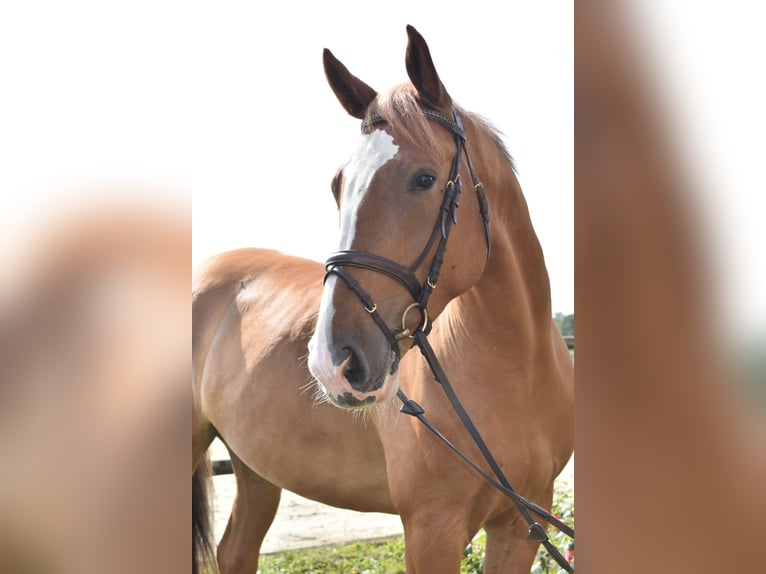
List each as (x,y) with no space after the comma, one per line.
(401,110)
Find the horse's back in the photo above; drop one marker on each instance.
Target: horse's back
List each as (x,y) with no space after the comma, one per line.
(219,280)
(226,273)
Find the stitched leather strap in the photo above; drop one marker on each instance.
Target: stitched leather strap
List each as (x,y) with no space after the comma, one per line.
(434,115)
(364,260)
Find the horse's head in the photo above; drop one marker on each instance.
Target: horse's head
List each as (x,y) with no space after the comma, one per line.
(397,197)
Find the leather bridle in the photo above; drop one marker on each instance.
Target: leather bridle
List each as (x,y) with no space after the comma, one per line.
(446,218)
(337,263)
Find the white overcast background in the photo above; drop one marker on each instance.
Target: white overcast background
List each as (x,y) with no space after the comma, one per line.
(229,100)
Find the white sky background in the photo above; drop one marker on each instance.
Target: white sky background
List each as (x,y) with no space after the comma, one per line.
(229,100)
(709,61)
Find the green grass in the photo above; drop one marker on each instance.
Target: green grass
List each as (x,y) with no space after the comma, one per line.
(387,556)
(356,558)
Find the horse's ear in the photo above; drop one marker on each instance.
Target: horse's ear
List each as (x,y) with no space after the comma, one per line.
(422,73)
(353,94)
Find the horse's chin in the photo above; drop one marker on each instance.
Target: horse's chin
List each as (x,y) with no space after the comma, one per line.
(342,395)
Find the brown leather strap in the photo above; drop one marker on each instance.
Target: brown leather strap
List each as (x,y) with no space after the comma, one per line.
(365,260)
(433,115)
(372,309)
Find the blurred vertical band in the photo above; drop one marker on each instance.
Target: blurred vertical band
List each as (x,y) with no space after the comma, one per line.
(94,355)
(670,449)
(95,259)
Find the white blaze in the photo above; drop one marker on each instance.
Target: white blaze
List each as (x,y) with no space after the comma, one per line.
(320,362)
(374,151)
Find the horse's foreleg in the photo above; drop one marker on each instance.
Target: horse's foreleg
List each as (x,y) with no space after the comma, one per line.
(509,550)
(252,513)
(433,545)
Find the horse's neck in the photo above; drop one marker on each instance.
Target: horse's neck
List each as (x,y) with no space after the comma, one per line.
(511,301)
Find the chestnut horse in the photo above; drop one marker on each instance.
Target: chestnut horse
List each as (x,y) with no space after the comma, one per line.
(256,315)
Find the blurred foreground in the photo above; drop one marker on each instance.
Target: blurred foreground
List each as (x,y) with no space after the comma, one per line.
(94,355)
(670,444)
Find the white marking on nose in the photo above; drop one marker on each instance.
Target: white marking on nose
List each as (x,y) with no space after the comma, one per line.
(320,361)
(374,151)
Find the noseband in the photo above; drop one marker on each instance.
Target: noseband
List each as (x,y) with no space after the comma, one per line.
(447,217)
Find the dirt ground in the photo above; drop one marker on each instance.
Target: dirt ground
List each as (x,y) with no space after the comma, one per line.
(303,523)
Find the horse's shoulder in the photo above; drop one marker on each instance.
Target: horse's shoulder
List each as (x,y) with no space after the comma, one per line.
(226,281)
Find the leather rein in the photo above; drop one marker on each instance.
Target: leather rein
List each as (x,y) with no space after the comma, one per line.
(447,217)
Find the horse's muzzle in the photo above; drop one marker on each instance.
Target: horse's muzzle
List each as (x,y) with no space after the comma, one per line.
(347,377)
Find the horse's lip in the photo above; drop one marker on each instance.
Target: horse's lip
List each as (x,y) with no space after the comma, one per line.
(349,401)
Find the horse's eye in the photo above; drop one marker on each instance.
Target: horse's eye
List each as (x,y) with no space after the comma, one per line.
(424,181)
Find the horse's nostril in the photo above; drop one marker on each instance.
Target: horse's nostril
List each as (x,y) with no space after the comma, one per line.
(356,371)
